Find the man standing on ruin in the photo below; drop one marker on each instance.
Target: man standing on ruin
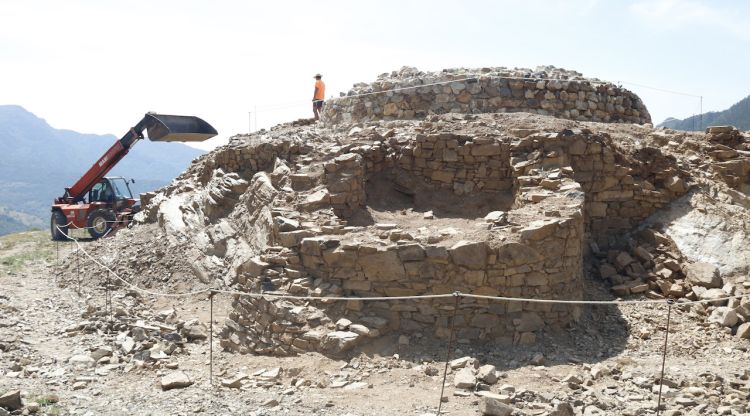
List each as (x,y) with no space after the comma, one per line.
(318,96)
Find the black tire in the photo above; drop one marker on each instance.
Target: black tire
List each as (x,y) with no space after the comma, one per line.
(100,222)
(57,227)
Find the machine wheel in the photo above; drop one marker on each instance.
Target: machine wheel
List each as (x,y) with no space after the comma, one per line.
(57,226)
(99,222)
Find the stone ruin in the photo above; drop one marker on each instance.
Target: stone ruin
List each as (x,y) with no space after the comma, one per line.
(514,205)
(410,93)
(522,202)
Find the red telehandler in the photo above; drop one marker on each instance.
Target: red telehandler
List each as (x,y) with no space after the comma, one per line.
(103,204)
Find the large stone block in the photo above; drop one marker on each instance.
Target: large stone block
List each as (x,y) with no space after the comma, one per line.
(703,274)
(411,252)
(465,379)
(494,405)
(382,265)
(486,149)
(528,322)
(340,258)
(442,176)
(337,342)
(472,255)
(539,230)
(724,316)
(485,320)
(516,254)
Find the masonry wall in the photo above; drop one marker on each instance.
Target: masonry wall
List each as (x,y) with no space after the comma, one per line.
(569,187)
(489,90)
(545,262)
(621,189)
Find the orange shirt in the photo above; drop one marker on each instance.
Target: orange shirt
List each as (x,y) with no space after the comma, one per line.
(321,90)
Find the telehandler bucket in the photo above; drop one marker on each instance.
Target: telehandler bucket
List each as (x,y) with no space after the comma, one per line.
(166,128)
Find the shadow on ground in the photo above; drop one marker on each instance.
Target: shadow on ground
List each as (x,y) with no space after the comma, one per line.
(601,333)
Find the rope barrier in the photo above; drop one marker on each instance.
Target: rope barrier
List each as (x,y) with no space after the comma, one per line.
(565,301)
(85,228)
(294,104)
(393,298)
(131,285)
(456,295)
(662,90)
(335,298)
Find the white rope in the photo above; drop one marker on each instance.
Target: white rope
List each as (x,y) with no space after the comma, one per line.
(564,301)
(336,298)
(662,90)
(284,106)
(131,285)
(695,302)
(83,228)
(413,297)
(364,94)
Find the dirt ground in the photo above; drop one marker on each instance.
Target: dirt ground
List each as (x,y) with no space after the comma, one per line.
(613,355)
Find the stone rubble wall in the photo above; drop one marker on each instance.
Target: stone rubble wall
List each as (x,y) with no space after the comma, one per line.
(620,192)
(544,262)
(727,144)
(541,259)
(460,163)
(569,187)
(487,90)
(253,157)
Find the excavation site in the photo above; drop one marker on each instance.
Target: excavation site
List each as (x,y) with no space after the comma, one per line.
(485,241)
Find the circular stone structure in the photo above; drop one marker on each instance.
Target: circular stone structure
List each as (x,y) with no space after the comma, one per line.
(410,93)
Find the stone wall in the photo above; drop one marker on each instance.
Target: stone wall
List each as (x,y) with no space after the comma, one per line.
(566,187)
(410,93)
(540,260)
(621,190)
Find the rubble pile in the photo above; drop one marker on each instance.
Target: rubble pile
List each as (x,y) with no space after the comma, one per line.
(707,394)
(410,93)
(129,337)
(653,266)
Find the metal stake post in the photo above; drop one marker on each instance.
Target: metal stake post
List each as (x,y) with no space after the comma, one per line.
(450,351)
(57,260)
(211,337)
(107,304)
(78,270)
(664,355)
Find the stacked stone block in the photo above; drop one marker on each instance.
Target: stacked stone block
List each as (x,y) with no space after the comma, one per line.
(568,187)
(555,92)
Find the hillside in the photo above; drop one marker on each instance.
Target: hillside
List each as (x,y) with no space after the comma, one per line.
(38,161)
(737,115)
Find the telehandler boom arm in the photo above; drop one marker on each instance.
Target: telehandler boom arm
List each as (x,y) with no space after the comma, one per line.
(159,127)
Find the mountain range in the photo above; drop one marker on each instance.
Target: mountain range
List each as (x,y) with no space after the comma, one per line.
(737,115)
(38,161)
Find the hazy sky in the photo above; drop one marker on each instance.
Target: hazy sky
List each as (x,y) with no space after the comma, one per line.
(97,66)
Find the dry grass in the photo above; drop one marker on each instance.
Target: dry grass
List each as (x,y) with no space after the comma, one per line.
(20,249)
